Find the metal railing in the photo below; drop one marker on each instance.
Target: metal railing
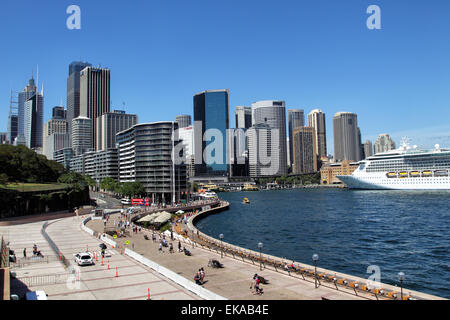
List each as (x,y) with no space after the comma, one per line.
(45,279)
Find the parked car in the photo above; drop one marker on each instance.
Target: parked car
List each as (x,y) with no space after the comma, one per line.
(36,295)
(84,258)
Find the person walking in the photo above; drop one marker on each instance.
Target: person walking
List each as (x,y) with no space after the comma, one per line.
(24,252)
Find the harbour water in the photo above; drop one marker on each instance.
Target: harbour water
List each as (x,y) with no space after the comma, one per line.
(350,230)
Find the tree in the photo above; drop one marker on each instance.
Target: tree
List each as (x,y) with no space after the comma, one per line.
(91,182)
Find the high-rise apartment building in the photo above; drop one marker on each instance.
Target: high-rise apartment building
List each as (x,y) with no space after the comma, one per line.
(94,96)
(73,92)
(347,144)
(273,114)
(316,119)
(296,119)
(211,122)
(183,120)
(81,135)
(383,143)
(146,154)
(304,149)
(109,124)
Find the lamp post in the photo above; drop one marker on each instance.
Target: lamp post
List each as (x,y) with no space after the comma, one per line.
(260,245)
(315,258)
(221,248)
(401,277)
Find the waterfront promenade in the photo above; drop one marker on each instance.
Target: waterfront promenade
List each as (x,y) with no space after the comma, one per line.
(233,281)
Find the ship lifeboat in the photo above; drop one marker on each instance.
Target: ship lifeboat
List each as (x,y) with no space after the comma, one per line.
(403,174)
(441,173)
(427,173)
(391,174)
(414,174)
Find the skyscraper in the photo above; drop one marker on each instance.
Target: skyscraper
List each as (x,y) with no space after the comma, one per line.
(58,112)
(263,151)
(81,135)
(184,120)
(273,113)
(109,124)
(94,96)
(55,136)
(368,149)
(211,120)
(296,119)
(73,92)
(23,97)
(316,119)
(304,148)
(33,121)
(346,140)
(384,143)
(243,117)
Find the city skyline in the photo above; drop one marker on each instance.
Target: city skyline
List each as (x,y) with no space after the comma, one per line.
(370,75)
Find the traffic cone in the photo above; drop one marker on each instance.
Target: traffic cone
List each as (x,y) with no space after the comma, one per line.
(102,260)
(108,264)
(117,272)
(87,248)
(148,294)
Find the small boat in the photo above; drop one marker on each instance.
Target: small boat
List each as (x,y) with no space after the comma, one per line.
(426,173)
(246,201)
(403,174)
(392,174)
(414,174)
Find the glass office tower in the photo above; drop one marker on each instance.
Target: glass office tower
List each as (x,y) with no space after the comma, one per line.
(211,117)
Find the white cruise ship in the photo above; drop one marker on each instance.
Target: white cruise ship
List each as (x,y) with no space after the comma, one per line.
(404,168)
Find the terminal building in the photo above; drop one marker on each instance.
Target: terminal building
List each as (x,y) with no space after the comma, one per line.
(329,171)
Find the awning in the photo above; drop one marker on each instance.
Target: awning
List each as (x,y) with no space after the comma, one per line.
(162,217)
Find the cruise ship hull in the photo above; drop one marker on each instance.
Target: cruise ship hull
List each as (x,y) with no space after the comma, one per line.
(375,182)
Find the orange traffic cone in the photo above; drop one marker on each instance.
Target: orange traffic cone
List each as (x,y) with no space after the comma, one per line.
(117,272)
(148,294)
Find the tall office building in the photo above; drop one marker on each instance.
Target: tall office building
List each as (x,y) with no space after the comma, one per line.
(73,92)
(296,119)
(316,119)
(13,128)
(384,143)
(368,149)
(243,117)
(186,135)
(211,116)
(58,112)
(81,135)
(184,120)
(109,124)
(304,149)
(94,96)
(347,144)
(3,137)
(273,114)
(23,96)
(263,151)
(34,118)
(55,136)
(146,154)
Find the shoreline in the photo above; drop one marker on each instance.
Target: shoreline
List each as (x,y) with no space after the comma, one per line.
(333,278)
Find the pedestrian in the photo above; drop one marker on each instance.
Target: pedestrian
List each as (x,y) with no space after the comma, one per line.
(160,247)
(202,275)
(179,246)
(24,252)
(171,248)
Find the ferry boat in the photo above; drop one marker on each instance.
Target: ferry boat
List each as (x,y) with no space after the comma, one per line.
(406,168)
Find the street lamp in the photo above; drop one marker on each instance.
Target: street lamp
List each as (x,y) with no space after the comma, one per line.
(260,245)
(315,258)
(221,248)
(401,277)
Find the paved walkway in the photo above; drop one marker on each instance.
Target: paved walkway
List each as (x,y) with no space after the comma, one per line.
(96,281)
(233,281)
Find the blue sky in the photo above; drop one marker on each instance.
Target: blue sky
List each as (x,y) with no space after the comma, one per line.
(312,54)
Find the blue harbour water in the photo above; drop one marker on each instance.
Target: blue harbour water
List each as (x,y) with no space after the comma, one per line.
(350,230)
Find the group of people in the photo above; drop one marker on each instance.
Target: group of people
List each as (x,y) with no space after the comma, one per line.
(199,277)
(256,284)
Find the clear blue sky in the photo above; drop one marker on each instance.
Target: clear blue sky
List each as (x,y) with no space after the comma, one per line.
(312,54)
